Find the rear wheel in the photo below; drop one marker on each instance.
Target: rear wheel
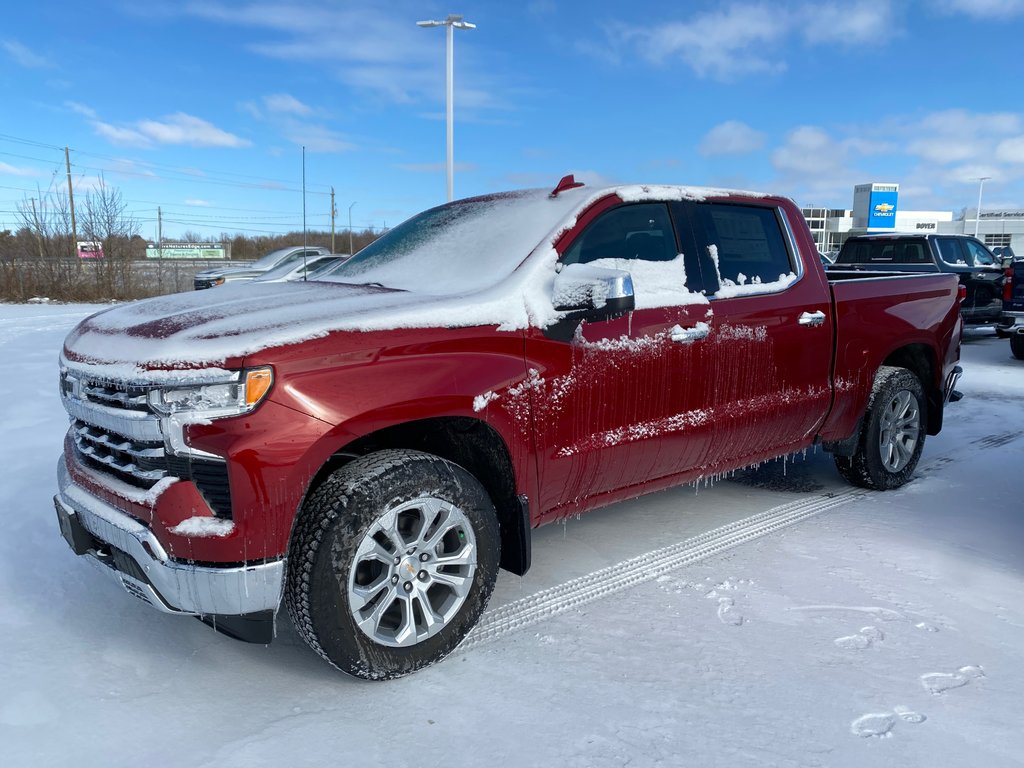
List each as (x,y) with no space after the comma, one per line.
(1017,345)
(892,434)
(393,561)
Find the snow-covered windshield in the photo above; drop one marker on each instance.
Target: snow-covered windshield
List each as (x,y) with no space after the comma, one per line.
(457,248)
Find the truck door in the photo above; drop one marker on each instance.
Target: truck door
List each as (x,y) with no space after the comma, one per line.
(617,403)
(770,342)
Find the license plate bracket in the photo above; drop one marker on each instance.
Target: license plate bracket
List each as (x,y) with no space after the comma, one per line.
(71,528)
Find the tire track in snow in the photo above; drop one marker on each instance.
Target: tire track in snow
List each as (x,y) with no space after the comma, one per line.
(646,567)
(580,591)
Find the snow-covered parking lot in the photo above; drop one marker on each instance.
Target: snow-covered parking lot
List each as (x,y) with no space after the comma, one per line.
(778,618)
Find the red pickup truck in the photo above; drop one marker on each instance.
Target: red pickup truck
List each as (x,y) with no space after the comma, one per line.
(369,448)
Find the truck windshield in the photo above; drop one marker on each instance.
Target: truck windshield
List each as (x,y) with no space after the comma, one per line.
(460,247)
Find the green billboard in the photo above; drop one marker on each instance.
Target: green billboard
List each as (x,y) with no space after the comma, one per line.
(186,251)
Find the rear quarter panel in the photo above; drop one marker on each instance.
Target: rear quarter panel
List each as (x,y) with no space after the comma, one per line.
(877,316)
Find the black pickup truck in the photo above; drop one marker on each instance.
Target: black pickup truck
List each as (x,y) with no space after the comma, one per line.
(979,271)
(1013,301)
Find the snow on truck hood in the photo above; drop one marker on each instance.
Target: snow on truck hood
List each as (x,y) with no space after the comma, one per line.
(505,278)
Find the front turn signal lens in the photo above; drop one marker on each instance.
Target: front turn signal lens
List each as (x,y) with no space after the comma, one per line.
(257,383)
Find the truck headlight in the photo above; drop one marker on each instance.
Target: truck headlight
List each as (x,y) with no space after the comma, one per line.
(215,399)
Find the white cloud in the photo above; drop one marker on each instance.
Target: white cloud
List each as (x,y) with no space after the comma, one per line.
(317,138)
(809,150)
(958,136)
(868,22)
(983,9)
(198,203)
(745,38)
(722,44)
(731,138)
(12,170)
(179,128)
(81,109)
(283,102)
(24,56)
(122,137)
(367,46)
(936,158)
(1011,150)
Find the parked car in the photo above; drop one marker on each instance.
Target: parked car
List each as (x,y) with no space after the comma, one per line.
(211,278)
(307,269)
(369,448)
(1013,303)
(977,268)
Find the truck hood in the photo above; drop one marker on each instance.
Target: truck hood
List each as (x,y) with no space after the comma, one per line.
(206,329)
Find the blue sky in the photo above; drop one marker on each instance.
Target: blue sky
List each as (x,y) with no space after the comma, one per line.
(202,108)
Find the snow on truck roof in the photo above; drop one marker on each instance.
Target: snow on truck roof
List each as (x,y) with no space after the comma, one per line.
(488,260)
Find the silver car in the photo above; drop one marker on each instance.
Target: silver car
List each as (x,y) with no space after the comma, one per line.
(220,275)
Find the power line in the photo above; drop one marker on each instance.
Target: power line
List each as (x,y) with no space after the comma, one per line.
(186,172)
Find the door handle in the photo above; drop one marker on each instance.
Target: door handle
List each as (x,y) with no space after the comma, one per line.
(812,318)
(686,335)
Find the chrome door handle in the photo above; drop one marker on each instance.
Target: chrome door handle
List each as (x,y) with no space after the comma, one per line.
(812,318)
(686,335)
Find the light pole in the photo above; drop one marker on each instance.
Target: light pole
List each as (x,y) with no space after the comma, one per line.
(350,229)
(453,22)
(977,216)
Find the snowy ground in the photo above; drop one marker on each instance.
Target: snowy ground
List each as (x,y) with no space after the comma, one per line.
(776,619)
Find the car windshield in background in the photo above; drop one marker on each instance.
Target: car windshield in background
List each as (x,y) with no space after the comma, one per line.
(460,247)
(270,259)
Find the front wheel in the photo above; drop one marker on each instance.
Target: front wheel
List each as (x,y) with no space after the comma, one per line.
(393,560)
(892,434)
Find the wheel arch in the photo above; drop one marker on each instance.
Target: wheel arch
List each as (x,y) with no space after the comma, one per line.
(470,443)
(921,361)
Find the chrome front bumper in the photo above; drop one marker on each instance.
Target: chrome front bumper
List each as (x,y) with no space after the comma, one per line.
(131,553)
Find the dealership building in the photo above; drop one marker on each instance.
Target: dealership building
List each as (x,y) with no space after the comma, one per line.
(876,209)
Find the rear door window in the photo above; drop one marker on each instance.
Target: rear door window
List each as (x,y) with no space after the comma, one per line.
(742,248)
(950,251)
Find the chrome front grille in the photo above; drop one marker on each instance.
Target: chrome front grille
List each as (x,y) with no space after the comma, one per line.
(140,463)
(117,434)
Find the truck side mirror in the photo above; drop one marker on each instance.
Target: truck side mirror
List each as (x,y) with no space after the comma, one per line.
(598,291)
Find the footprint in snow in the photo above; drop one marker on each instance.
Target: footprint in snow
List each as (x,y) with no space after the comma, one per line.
(867,637)
(727,613)
(940,682)
(880,724)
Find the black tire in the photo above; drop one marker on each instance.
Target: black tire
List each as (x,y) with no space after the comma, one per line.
(1017,345)
(383,498)
(882,468)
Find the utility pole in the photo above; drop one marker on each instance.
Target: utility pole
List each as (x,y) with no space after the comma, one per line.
(350,229)
(334,212)
(71,200)
(160,249)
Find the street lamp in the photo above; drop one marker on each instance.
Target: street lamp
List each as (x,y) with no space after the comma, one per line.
(453,22)
(977,217)
(350,229)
